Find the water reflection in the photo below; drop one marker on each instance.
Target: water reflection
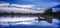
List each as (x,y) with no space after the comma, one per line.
(8,21)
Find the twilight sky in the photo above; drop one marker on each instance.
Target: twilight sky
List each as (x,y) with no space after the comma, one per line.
(38,3)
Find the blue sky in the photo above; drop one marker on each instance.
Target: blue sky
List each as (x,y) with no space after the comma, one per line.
(35,2)
(38,3)
(30,1)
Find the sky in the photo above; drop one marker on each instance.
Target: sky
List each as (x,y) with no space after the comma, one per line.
(37,3)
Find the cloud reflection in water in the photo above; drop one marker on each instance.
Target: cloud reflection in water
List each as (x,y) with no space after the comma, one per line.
(27,21)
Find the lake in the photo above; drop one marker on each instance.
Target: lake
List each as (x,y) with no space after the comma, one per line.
(26,22)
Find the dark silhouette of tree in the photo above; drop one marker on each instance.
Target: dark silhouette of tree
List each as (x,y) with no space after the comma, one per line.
(12,12)
(48,11)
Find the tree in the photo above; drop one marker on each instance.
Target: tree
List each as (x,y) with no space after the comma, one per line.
(48,11)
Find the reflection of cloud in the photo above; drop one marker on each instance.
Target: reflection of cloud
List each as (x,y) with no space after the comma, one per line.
(16,20)
(27,23)
(9,19)
(46,24)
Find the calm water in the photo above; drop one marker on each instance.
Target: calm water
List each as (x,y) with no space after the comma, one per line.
(26,22)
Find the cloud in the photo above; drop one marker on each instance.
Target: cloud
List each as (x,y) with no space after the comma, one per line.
(41,3)
(17,5)
(19,10)
(5,4)
(24,6)
(47,5)
(56,9)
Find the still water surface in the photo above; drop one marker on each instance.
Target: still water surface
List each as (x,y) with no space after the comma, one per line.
(26,22)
